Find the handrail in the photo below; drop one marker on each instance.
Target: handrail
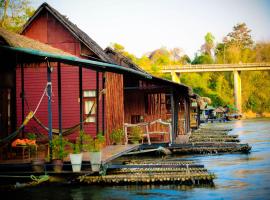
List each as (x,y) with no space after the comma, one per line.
(215,66)
(147,124)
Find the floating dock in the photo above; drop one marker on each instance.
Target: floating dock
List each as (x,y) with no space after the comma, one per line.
(152,172)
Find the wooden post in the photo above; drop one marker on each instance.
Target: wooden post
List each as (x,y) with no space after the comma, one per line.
(237,91)
(97,100)
(22,95)
(174,114)
(188,113)
(60,107)
(103,104)
(198,116)
(49,92)
(81,102)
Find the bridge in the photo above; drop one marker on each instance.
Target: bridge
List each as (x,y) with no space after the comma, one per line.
(176,70)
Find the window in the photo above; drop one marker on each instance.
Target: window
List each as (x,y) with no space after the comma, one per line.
(89,98)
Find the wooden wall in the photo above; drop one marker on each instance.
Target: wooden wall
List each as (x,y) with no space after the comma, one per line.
(114,103)
(47,29)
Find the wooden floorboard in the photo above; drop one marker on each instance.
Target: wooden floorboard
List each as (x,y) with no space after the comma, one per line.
(107,154)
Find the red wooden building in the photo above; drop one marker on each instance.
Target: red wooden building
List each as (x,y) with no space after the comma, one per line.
(50,27)
(30,71)
(122,94)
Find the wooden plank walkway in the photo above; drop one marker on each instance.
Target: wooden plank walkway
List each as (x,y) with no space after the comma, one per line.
(108,154)
(112,152)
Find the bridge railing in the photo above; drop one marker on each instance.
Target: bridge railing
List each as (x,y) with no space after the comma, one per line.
(215,66)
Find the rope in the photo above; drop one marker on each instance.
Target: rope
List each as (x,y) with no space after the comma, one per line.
(29,116)
(70,130)
(41,98)
(40,179)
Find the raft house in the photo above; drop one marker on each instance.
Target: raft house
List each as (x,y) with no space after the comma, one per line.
(87,89)
(29,79)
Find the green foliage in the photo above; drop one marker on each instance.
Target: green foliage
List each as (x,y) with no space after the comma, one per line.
(59,148)
(93,144)
(31,136)
(136,134)
(117,136)
(236,47)
(14,14)
(203,59)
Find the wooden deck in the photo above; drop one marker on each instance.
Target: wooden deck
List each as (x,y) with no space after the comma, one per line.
(112,152)
(109,153)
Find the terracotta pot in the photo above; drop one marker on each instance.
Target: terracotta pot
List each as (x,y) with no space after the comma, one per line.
(38,165)
(57,165)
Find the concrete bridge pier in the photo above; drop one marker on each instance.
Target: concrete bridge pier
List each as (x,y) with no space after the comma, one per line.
(175,76)
(237,90)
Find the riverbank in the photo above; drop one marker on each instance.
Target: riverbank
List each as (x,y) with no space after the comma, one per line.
(252,115)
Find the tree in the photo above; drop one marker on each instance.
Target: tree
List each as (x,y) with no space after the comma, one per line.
(240,36)
(208,46)
(236,47)
(14,14)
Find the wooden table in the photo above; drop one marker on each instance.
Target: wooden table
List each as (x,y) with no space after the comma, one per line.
(25,150)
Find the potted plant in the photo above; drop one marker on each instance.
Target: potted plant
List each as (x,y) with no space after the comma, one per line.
(76,156)
(117,136)
(136,134)
(59,152)
(37,163)
(94,146)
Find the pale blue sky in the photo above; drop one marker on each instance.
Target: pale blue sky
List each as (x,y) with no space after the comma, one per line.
(144,25)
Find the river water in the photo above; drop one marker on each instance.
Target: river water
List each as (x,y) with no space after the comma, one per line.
(239,176)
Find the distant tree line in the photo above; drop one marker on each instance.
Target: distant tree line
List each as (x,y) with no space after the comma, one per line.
(237,47)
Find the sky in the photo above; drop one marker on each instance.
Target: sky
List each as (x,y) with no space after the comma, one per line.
(142,26)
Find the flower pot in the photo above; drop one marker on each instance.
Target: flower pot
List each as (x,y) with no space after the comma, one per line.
(95,160)
(76,161)
(57,165)
(38,165)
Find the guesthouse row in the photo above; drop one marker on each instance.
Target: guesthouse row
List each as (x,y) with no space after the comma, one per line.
(70,83)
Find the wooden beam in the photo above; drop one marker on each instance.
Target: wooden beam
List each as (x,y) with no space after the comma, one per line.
(60,107)
(103,104)
(22,95)
(81,101)
(49,92)
(97,100)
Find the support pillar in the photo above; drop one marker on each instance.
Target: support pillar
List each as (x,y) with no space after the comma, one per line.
(49,92)
(237,91)
(175,77)
(22,95)
(174,113)
(60,107)
(97,100)
(81,103)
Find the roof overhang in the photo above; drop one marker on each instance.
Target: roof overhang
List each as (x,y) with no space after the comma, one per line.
(41,56)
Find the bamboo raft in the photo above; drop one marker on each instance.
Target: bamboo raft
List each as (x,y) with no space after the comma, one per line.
(153,172)
(205,148)
(213,139)
(151,178)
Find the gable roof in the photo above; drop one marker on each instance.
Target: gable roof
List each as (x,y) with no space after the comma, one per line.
(73,29)
(15,40)
(32,51)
